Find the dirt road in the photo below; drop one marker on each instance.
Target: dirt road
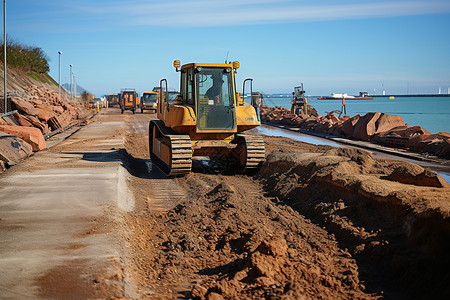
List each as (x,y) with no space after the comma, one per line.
(314,223)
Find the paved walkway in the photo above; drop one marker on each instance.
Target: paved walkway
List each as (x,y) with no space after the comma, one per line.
(57,215)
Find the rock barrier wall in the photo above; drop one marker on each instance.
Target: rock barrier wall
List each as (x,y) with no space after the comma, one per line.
(376,127)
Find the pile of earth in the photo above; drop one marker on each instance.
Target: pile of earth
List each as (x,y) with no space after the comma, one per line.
(39,111)
(321,223)
(380,128)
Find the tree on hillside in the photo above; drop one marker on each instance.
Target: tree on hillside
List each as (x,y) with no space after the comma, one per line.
(25,57)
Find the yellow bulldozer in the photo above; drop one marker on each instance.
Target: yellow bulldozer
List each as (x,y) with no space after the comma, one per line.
(206,119)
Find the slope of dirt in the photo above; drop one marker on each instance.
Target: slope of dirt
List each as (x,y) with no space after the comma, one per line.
(398,233)
(314,223)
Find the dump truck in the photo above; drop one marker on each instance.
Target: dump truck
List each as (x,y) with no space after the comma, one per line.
(129,100)
(112,99)
(206,119)
(149,101)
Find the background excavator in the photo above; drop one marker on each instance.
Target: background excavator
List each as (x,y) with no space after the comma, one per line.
(206,119)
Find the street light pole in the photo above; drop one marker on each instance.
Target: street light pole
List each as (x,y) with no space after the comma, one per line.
(59,76)
(75,88)
(71,88)
(4,55)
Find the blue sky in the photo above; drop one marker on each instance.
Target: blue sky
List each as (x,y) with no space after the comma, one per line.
(330,46)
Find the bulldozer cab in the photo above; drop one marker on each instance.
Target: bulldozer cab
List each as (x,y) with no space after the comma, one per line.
(210,90)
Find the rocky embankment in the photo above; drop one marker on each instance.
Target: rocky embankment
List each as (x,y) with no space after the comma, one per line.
(39,112)
(379,128)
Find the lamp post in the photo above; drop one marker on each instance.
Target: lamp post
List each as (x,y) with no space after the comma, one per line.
(59,76)
(71,88)
(4,55)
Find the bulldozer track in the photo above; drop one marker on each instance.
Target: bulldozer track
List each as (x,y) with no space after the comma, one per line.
(255,151)
(181,151)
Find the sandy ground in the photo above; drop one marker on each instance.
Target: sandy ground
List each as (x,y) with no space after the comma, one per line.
(313,223)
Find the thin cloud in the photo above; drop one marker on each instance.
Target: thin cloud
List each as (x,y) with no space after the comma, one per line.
(206,13)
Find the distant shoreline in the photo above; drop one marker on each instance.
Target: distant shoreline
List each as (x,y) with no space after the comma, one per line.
(411,95)
(377,96)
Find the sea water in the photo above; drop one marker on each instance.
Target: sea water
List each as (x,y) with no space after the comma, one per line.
(432,113)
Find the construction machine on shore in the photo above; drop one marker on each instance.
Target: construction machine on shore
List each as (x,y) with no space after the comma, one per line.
(128,100)
(206,119)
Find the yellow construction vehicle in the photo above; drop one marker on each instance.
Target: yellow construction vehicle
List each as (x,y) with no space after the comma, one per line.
(149,101)
(206,119)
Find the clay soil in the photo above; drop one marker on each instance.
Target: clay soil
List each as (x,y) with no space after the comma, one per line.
(314,223)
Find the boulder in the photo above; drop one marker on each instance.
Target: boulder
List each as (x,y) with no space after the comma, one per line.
(24,106)
(13,149)
(333,118)
(387,122)
(407,131)
(349,126)
(312,111)
(31,135)
(365,128)
(57,109)
(344,118)
(23,121)
(335,129)
(44,107)
(36,123)
(414,174)
(444,149)
(323,126)
(435,144)
(45,114)
(309,123)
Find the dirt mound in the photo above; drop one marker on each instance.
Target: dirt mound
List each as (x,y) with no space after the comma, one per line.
(246,247)
(316,222)
(401,229)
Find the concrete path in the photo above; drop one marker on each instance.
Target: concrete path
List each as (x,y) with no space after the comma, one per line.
(58,216)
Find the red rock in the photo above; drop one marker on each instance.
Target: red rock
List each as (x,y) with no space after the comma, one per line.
(415,143)
(387,122)
(406,131)
(323,126)
(45,115)
(309,123)
(365,127)
(349,126)
(444,149)
(22,120)
(444,134)
(435,144)
(24,106)
(344,118)
(36,123)
(31,135)
(57,109)
(312,111)
(335,129)
(13,149)
(333,118)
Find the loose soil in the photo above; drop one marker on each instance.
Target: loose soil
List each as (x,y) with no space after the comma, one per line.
(314,223)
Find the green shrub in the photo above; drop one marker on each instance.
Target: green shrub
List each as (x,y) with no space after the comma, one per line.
(26,57)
